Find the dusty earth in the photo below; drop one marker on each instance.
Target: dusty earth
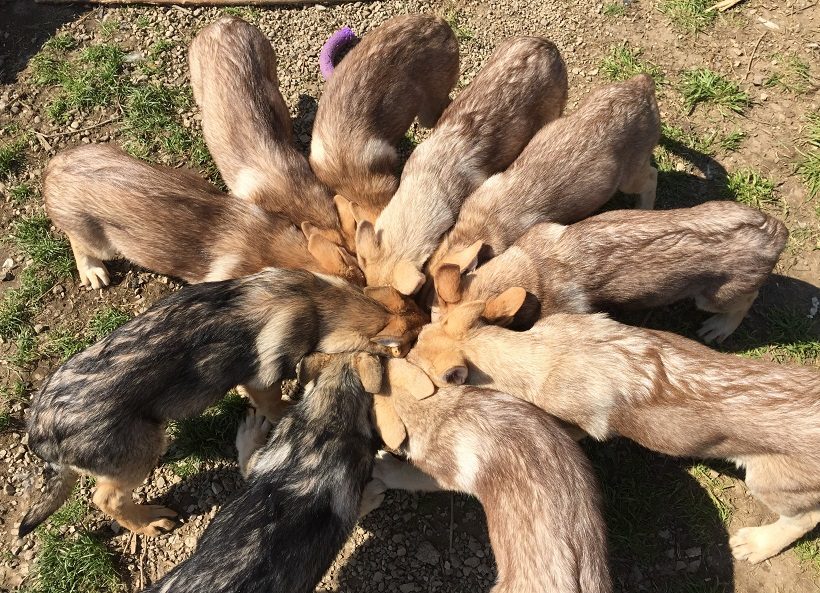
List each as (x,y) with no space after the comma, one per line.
(668,519)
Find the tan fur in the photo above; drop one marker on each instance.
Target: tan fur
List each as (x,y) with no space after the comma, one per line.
(405,67)
(663,391)
(167,220)
(248,129)
(567,171)
(537,488)
(718,253)
(522,86)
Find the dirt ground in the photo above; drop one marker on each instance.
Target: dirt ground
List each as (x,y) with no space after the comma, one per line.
(668,520)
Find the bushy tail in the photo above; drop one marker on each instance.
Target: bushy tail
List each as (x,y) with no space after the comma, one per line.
(335,49)
(59,481)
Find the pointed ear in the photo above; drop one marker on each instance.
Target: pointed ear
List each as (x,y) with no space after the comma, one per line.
(501,310)
(369,368)
(367,242)
(311,366)
(387,296)
(462,318)
(345,209)
(388,422)
(360,213)
(466,259)
(333,258)
(410,378)
(447,280)
(407,278)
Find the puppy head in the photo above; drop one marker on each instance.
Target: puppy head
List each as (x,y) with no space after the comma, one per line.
(380,269)
(448,276)
(333,258)
(439,349)
(405,321)
(401,378)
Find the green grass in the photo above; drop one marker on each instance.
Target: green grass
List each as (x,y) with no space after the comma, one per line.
(209,435)
(12,157)
(105,321)
(790,336)
(809,166)
(20,304)
(614,9)
(143,22)
(76,563)
(26,349)
(64,344)
(794,77)
(623,62)
(21,193)
(714,487)
(731,142)
(249,14)
(455,18)
(109,28)
(689,15)
(808,551)
(751,188)
(702,85)
(33,237)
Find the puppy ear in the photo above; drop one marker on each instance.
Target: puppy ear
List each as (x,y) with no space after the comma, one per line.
(335,259)
(388,296)
(407,278)
(344,207)
(310,367)
(466,259)
(369,368)
(447,280)
(388,422)
(406,376)
(367,242)
(501,310)
(360,214)
(390,339)
(462,318)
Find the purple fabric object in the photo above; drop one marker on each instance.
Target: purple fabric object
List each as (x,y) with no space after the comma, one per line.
(341,41)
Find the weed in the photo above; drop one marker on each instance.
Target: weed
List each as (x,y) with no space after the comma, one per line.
(73,564)
(809,166)
(109,28)
(187,467)
(19,304)
(207,436)
(791,336)
(64,344)
(63,42)
(751,188)
(5,420)
(20,194)
(702,85)
(732,141)
(26,348)
(71,513)
(249,14)
(795,77)
(33,236)
(808,551)
(12,157)
(142,22)
(455,18)
(614,9)
(105,321)
(690,15)
(623,63)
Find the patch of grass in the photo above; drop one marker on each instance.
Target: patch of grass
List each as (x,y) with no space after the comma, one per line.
(751,188)
(142,22)
(64,344)
(690,15)
(21,193)
(623,62)
(714,486)
(455,18)
(243,12)
(614,9)
(795,77)
(109,28)
(26,348)
(19,304)
(74,564)
(33,236)
(71,513)
(791,336)
(187,467)
(732,141)
(105,321)
(809,166)
(12,157)
(702,85)
(808,551)
(210,434)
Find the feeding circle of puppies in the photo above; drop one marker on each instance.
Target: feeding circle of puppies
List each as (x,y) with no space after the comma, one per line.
(489,228)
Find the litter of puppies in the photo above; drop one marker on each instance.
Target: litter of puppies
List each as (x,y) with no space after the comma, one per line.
(489,227)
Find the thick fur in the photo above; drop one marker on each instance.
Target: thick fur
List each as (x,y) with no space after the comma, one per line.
(718,253)
(522,86)
(282,533)
(248,130)
(103,412)
(405,67)
(568,170)
(537,488)
(167,220)
(663,391)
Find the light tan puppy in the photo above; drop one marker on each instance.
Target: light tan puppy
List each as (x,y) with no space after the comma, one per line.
(248,130)
(572,167)
(405,67)
(536,486)
(167,220)
(522,86)
(719,253)
(667,393)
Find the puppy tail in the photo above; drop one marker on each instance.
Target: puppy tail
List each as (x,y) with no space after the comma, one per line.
(335,49)
(59,481)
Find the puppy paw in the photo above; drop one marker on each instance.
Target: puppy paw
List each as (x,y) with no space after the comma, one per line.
(93,274)
(154,520)
(754,544)
(250,437)
(372,497)
(718,327)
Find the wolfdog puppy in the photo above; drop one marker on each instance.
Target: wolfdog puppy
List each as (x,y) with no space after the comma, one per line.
(304,490)
(103,413)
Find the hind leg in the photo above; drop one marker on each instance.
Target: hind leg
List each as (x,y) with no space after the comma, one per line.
(372,497)
(755,544)
(114,497)
(729,316)
(92,271)
(268,401)
(645,184)
(250,437)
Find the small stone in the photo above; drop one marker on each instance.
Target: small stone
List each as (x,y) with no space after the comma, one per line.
(190,541)
(217,488)
(8,489)
(160,482)
(427,553)
(39,328)
(472,562)
(75,125)
(693,552)
(8,264)
(407,588)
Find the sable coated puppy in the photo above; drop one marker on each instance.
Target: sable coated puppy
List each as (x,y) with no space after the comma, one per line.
(168,220)
(572,167)
(536,486)
(305,488)
(522,86)
(663,391)
(248,129)
(405,67)
(718,253)
(103,413)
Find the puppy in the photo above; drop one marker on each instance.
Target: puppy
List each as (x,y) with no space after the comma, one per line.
(572,167)
(248,130)
(522,86)
(103,413)
(667,393)
(719,253)
(170,221)
(536,486)
(303,495)
(405,67)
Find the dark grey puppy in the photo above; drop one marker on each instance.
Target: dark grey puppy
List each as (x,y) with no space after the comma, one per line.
(304,491)
(103,413)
